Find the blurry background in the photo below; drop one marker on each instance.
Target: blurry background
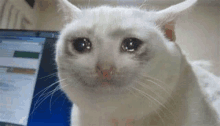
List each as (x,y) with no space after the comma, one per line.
(198,33)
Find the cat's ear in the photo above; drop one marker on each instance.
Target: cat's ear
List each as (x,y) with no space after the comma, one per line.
(171,13)
(70,11)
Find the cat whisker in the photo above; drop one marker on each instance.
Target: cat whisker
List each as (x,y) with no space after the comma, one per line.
(63,102)
(51,75)
(153,103)
(44,90)
(163,88)
(56,89)
(36,106)
(156,95)
(148,87)
(147,95)
(131,91)
(46,95)
(142,4)
(155,79)
(57,98)
(160,117)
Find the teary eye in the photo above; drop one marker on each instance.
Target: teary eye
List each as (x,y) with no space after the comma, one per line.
(82,45)
(131,44)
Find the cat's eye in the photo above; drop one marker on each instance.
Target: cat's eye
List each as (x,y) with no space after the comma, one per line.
(131,44)
(82,45)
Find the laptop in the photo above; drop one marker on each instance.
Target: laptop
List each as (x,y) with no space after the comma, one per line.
(29,87)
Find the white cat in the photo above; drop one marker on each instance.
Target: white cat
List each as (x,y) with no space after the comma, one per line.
(118,69)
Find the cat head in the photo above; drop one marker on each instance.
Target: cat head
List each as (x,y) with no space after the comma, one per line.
(114,47)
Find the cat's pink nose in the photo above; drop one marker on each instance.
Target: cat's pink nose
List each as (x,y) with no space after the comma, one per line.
(106,74)
(105,71)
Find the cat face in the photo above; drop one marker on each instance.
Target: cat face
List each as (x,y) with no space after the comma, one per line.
(108,46)
(114,47)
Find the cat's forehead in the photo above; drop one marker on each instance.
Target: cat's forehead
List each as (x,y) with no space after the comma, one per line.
(114,11)
(107,14)
(111,21)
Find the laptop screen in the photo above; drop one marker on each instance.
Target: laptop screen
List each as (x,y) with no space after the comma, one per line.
(21,73)
(19,63)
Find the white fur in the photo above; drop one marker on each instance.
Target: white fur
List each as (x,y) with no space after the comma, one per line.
(164,90)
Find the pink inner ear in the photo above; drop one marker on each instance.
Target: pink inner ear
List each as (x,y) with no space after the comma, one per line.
(169,31)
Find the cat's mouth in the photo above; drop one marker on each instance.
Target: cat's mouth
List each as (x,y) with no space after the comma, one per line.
(103,79)
(104,87)
(100,83)
(106,82)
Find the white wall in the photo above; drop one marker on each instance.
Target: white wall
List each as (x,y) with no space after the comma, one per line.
(48,16)
(198,33)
